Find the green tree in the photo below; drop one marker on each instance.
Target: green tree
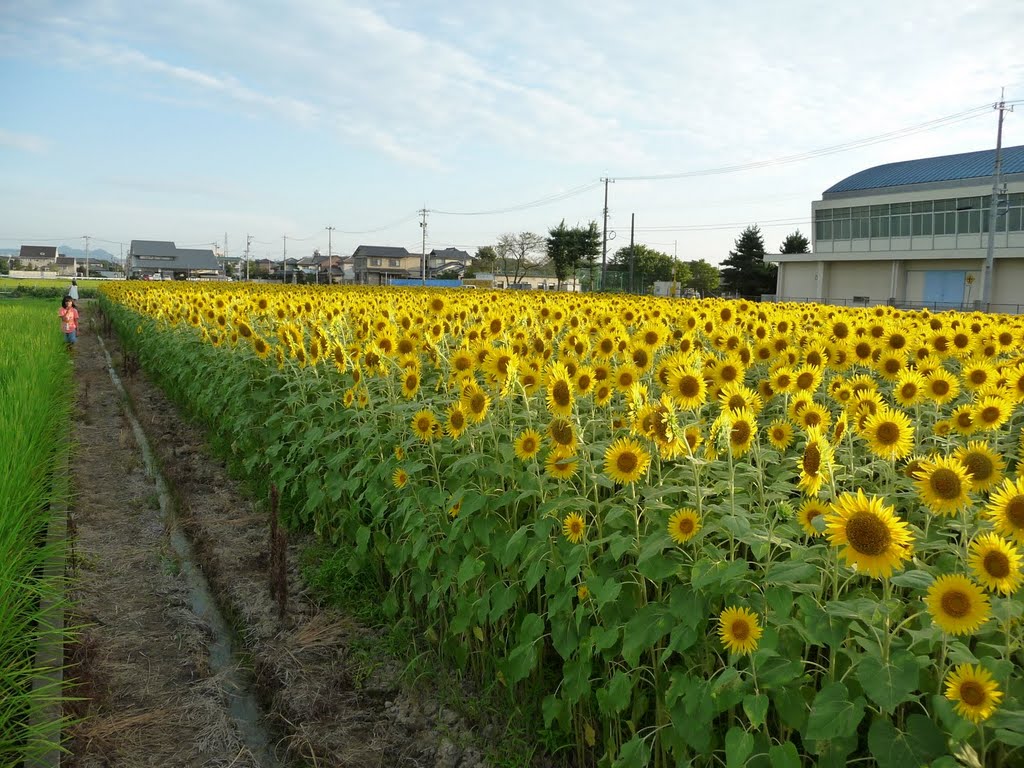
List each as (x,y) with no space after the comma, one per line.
(570,249)
(795,243)
(745,272)
(485,260)
(704,278)
(588,246)
(649,266)
(518,255)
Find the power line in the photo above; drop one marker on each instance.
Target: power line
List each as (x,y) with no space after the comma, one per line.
(553,198)
(401,221)
(941,122)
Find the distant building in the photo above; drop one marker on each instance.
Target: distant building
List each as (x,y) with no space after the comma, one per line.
(161,258)
(914,234)
(378,264)
(449,260)
(38,256)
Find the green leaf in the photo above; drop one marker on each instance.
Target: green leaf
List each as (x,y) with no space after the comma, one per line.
(531,628)
(791,572)
(784,755)
(913,579)
(756,708)
(634,752)
(472,566)
(617,695)
(892,748)
(519,664)
(514,547)
(889,685)
(648,625)
(833,714)
(553,709)
(738,746)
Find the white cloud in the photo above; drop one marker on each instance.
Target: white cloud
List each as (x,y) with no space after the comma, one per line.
(23,141)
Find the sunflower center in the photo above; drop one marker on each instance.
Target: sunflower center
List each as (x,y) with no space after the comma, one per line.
(736,402)
(740,433)
(561,433)
(964,419)
(972,693)
(945,484)
(423,424)
(411,381)
(685,526)
(888,433)
(863,350)
(626,462)
(940,387)
(978,376)
(978,465)
(805,380)
(908,390)
(1015,511)
(997,564)
(892,365)
(729,373)
(463,363)
(457,419)
(989,414)
(529,445)
(811,418)
(868,534)
(812,459)
(625,379)
(897,341)
(740,630)
(560,394)
(778,434)
(956,604)
(689,386)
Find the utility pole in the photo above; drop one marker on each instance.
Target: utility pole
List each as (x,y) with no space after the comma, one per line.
(632,255)
(88,236)
(284,259)
(423,247)
(993,209)
(248,241)
(330,230)
(604,232)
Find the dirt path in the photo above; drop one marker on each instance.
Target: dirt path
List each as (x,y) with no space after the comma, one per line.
(145,656)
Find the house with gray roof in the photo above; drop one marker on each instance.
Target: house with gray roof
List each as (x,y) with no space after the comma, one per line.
(148,258)
(915,234)
(37,256)
(379,264)
(451,260)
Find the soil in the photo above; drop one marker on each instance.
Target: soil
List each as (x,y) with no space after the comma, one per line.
(142,662)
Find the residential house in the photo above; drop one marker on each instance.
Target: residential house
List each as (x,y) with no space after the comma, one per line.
(449,260)
(38,256)
(161,258)
(378,264)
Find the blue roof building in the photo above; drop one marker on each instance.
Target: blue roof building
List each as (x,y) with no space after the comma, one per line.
(915,234)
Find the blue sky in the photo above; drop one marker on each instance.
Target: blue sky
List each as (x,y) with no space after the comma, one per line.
(187,120)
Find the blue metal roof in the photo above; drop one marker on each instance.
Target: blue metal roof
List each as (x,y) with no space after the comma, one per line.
(969,165)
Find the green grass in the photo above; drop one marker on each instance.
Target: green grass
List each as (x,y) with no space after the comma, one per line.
(35,397)
(40,288)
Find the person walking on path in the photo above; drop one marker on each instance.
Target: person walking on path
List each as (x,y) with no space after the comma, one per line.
(73,290)
(68,320)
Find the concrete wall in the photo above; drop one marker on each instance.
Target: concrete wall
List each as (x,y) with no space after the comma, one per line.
(869,279)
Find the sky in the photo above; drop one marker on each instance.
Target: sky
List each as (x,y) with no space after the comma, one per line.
(207,121)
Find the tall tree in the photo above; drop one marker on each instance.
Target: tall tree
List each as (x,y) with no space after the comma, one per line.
(649,265)
(795,243)
(704,278)
(560,250)
(519,254)
(588,246)
(745,272)
(485,259)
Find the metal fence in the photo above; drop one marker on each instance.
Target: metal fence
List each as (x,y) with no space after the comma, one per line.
(934,306)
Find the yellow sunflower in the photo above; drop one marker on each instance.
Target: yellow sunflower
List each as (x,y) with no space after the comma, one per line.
(815,463)
(941,386)
(991,412)
(425,426)
(984,466)
(574,527)
(528,444)
(943,485)
(560,397)
(975,692)
(742,428)
(875,540)
(780,434)
(739,630)
(475,403)
(626,460)
(956,604)
(889,433)
(996,563)
(399,478)
(809,511)
(962,421)
(687,388)
(410,383)
(683,525)
(1006,509)
(455,421)
(560,466)
(563,436)
(909,388)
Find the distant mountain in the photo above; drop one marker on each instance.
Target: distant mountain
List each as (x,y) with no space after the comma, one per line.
(67,250)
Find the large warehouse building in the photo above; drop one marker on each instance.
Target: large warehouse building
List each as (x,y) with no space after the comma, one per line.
(914,234)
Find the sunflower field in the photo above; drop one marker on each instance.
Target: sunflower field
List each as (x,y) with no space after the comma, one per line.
(693,532)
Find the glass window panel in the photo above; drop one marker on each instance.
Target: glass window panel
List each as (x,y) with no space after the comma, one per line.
(922,224)
(899,208)
(841,229)
(1014,219)
(880,210)
(924,206)
(860,211)
(945,223)
(840,213)
(1017,198)
(880,226)
(823,214)
(824,230)
(945,205)
(966,203)
(860,228)
(899,226)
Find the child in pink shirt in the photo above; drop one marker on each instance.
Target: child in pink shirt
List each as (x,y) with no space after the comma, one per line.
(68,320)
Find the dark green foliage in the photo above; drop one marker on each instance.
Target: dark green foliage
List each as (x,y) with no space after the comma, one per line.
(745,272)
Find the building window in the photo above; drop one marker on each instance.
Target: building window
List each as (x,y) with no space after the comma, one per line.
(374,262)
(395,262)
(880,220)
(841,223)
(899,220)
(823,224)
(945,217)
(860,222)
